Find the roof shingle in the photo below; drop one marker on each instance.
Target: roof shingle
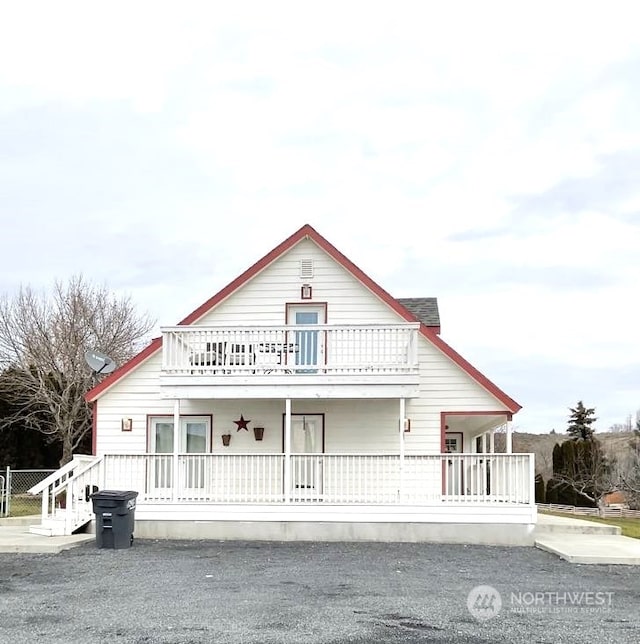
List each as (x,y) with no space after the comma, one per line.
(424,308)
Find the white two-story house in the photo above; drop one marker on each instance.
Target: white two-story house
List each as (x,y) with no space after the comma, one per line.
(303,401)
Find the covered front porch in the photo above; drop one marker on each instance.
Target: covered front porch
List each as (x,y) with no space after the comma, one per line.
(371,488)
(317,466)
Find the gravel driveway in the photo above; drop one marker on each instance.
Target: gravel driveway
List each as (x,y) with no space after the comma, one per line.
(211,591)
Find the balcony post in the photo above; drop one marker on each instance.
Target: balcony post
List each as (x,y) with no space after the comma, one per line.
(287,450)
(492,441)
(176,440)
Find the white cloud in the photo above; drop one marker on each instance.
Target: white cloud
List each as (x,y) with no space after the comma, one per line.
(391,128)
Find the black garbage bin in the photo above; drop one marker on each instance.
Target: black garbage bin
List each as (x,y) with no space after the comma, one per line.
(115,517)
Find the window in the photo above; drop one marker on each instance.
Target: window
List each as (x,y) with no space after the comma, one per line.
(194,436)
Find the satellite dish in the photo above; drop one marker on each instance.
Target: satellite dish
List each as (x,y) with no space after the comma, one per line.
(99,362)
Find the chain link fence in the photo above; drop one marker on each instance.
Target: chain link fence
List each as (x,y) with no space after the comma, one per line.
(14,498)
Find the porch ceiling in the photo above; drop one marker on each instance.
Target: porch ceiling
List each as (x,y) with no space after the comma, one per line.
(294,387)
(474,424)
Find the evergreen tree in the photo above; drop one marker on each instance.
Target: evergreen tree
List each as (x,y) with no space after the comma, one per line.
(568,452)
(552,491)
(581,473)
(539,489)
(558,463)
(581,420)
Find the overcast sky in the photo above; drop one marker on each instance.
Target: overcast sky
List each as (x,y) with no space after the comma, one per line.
(485,153)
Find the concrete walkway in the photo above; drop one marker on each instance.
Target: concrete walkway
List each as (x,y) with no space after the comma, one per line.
(15,537)
(585,542)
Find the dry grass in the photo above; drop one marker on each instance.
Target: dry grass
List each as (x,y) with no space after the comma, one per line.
(24,505)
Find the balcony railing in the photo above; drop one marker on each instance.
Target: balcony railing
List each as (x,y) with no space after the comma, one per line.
(357,479)
(293,349)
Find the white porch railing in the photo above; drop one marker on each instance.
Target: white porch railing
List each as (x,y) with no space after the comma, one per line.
(233,478)
(326,348)
(330,478)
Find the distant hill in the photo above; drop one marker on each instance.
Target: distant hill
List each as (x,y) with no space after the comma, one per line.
(542,446)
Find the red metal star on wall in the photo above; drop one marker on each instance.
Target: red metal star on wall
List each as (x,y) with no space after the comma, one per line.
(242,423)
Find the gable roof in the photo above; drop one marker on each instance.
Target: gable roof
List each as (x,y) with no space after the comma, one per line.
(424,308)
(308,232)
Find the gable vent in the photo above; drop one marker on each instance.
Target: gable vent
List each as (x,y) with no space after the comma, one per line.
(306,268)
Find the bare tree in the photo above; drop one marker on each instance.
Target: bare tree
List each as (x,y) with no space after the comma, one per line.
(43,339)
(586,469)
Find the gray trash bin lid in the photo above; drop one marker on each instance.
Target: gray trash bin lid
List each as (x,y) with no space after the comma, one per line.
(114,495)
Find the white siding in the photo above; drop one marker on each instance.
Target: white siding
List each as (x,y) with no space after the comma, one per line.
(263,300)
(351,425)
(444,386)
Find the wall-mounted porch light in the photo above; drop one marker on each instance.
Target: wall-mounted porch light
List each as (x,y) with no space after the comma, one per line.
(305,292)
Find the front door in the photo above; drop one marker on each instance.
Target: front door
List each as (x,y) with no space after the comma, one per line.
(307,446)
(454,476)
(193,438)
(308,343)
(161,472)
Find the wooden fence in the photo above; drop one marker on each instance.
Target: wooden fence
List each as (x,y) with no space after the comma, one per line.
(590,512)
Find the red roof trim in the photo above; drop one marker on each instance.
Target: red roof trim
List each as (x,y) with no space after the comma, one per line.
(480,378)
(308,231)
(251,272)
(428,332)
(203,309)
(94,426)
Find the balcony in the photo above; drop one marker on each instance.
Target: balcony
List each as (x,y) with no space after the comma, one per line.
(294,355)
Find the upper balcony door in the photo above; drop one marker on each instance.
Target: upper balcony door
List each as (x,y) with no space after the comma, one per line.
(309,343)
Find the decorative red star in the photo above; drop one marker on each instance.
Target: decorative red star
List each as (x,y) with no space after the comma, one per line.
(242,423)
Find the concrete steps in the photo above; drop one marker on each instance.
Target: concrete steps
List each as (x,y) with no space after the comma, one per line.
(548,524)
(48,530)
(585,542)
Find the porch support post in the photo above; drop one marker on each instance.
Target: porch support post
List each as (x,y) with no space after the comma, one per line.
(492,441)
(403,415)
(532,480)
(287,450)
(509,444)
(176,447)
